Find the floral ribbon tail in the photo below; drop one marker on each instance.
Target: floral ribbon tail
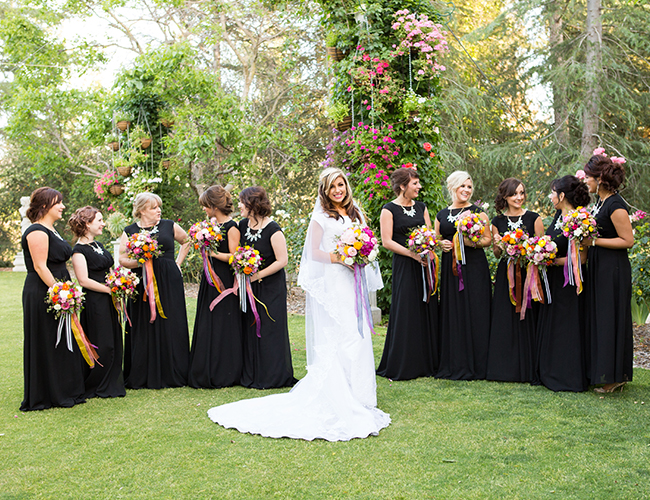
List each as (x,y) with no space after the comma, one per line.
(546,285)
(366,301)
(87,349)
(225,293)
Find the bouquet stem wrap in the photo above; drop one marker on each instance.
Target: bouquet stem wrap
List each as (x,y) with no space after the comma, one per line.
(572,267)
(515,283)
(151,291)
(69,322)
(212,277)
(361,299)
(430,277)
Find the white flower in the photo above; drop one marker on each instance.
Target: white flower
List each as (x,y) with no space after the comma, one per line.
(64,294)
(373,254)
(302,221)
(485,206)
(57,307)
(349,261)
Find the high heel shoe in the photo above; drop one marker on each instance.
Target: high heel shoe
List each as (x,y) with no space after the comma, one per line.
(613,388)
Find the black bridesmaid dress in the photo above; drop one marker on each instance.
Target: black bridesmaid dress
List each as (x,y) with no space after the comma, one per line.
(512,345)
(267,360)
(157,354)
(411,349)
(216,356)
(609,298)
(53,375)
(464,314)
(100,322)
(561,327)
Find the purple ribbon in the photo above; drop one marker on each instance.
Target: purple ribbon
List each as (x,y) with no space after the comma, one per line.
(361,295)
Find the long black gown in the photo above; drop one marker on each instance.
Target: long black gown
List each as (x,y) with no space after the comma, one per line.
(157,354)
(561,327)
(216,356)
(464,315)
(53,375)
(512,340)
(411,348)
(102,326)
(609,297)
(267,360)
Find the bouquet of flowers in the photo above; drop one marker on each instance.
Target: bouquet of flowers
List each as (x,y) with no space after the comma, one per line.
(422,241)
(513,244)
(357,245)
(123,283)
(65,299)
(577,226)
(541,251)
(468,225)
(143,247)
(206,236)
(246,260)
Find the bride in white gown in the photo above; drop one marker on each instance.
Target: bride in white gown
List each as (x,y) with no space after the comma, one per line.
(337,399)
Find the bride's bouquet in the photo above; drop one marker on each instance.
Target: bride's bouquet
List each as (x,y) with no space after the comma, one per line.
(123,283)
(206,236)
(143,247)
(65,299)
(468,225)
(541,251)
(422,241)
(577,226)
(357,247)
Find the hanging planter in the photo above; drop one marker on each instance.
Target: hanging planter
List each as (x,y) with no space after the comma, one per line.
(344,124)
(124,171)
(165,163)
(114,145)
(116,189)
(335,54)
(145,142)
(139,134)
(123,125)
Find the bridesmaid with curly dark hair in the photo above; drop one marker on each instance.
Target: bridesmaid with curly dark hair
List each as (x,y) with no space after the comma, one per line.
(609,283)
(512,340)
(267,359)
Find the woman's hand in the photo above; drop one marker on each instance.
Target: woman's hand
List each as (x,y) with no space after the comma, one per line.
(335,259)
(446,245)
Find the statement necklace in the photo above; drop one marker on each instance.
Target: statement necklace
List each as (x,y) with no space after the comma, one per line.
(253,237)
(559,222)
(599,204)
(57,234)
(453,218)
(153,230)
(513,226)
(96,247)
(410,212)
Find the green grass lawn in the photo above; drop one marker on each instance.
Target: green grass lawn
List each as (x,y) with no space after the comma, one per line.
(447,440)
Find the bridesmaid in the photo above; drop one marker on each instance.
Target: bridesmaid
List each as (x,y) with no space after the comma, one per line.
(561,326)
(609,285)
(464,313)
(267,359)
(410,350)
(91,262)
(157,353)
(53,375)
(512,341)
(216,356)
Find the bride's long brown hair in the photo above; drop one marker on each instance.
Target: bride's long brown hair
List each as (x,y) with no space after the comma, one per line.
(326,179)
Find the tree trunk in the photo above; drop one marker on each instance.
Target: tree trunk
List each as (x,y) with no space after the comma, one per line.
(593,69)
(559,87)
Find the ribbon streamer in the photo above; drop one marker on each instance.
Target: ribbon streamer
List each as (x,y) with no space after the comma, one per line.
(151,291)
(212,277)
(225,293)
(572,267)
(69,322)
(546,285)
(120,307)
(361,299)
(242,287)
(514,283)
(429,277)
(458,259)
(532,289)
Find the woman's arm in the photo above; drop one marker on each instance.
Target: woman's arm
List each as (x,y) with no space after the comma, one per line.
(181,236)
(123,259)
(38,243)
(539,226)
(81,272)
(279,245)
(386,228)
(233,243)
(497,247)
(444,244)
(623,226)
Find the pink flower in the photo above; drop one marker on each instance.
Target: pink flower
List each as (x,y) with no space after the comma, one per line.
(599,151)
(616,159)
(580,174)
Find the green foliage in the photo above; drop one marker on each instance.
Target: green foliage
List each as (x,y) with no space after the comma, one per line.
(640,262)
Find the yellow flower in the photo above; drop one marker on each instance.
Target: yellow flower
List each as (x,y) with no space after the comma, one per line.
(232,257)
(357,245)
(541,243)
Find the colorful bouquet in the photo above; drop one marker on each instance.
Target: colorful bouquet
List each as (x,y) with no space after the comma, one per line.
(357,245)
(514,243)
(577,226)
(206,236)
(468,225)
(143,247)
(65,299)
(246,260)
(422,241)
(541,251)
(123,283)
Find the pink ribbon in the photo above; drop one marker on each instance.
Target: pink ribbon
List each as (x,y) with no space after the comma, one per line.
(225,293)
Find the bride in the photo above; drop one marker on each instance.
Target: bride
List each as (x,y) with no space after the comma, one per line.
(337,399)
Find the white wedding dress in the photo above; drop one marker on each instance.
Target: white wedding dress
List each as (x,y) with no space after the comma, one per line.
(337,398)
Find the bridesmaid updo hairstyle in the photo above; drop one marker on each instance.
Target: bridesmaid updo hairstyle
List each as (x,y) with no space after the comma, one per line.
(40,202)
(575,191)
(217,197)
(325,181)
(455,180)
(610,174)
(145,200)
(256,201)
(401,177)
(80,220)
(507,188)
